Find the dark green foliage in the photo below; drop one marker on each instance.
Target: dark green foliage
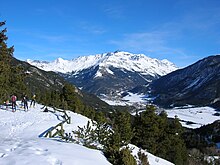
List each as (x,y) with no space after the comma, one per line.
(5,68)
(159,135)
(85,135)
(147,130)
(122,123)
(112,148)
(70,96)
(126,157)
(11,77)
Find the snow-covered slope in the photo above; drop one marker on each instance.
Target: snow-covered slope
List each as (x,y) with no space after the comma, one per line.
(153,160)
(22,141)
(123,60)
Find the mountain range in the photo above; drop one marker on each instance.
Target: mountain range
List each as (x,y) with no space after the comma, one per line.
(116,74)
(108,74)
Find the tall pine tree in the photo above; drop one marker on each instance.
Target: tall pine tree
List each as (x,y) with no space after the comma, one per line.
(5,68)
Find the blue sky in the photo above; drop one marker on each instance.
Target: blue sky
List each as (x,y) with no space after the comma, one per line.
(182,31)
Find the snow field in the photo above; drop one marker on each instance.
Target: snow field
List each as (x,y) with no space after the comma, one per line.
(198,115)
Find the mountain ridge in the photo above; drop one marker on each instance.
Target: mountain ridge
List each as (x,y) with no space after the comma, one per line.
(118,59)
(109,73)
(196,84)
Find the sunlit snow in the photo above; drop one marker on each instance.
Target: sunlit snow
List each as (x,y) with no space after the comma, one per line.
(22,141)
(123,60)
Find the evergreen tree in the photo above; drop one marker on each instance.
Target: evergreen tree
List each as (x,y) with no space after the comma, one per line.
(112,148)
(122,122)
(11,77)
(69,95)
(176,152)
(147,130)
(126,157)
(160,136)
(5,67)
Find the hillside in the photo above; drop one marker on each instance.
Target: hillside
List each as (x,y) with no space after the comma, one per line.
(41,82)
(197,84)
(38,79)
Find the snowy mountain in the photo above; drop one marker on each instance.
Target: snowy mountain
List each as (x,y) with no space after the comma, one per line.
(197,84)
(22,141)
(123,60)
(108,73)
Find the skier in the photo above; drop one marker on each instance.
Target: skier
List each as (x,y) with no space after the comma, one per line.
(25,102)
(13,102)
(33,100)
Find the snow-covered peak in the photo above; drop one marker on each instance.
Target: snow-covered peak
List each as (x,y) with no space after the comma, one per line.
(119,59)
(60,61)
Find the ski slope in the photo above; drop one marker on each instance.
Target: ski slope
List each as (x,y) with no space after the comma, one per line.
(22,141)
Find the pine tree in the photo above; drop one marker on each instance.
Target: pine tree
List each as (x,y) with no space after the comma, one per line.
(122,123)
(11,77)
(126,157)
(147,130)
(69,95)
(177,152)
(5,60)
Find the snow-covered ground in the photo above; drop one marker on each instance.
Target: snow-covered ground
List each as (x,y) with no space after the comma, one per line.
(153,160)
(191,117)
(199,116)
(128,100)
(22,141)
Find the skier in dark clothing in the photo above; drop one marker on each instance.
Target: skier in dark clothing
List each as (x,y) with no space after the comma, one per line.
(25,102)
(13,103)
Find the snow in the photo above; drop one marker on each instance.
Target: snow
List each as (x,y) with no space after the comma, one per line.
(134,98)
(114,102)
(153,160)
(198,115)
(130,99)
(22,141)
(123,60)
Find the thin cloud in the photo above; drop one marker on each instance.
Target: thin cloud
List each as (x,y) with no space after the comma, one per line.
(93,29)
(148,42)
(53,38)
(114,11)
